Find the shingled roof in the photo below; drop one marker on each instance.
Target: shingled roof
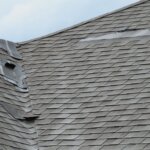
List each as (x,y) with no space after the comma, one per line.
(88,86)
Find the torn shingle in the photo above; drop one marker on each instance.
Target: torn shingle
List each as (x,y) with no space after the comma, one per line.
(17,113)
(13,73)
(120,34)
(10,48)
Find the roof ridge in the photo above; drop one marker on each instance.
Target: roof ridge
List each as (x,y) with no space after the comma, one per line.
(85,22)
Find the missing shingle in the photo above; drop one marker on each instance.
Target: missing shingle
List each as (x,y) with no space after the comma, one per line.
(127,33)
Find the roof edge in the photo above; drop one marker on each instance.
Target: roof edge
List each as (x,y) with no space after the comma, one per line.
(84,22)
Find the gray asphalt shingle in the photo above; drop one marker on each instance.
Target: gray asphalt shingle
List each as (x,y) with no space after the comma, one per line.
(87,95)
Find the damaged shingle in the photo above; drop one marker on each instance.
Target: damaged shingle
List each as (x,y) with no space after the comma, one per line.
(17,113)
(10,48)
(14,74)
(120,34)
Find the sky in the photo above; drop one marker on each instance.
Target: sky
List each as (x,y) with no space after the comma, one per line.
(22,20)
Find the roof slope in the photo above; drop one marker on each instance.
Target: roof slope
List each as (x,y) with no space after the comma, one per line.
(90,95)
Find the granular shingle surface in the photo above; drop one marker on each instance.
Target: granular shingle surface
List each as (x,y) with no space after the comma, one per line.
(91,95)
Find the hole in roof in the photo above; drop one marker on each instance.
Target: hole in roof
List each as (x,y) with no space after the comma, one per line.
(10,65)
